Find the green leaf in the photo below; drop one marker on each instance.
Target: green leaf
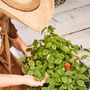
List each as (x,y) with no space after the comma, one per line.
(83,77)
(35,43)
(69,73)
(51,66)
(69,81)
(82,88)
(50,29)
(80,83)
(49,44)
(60,72)
(76,48)
(84,56)
(45,52)
(54,47)
(65,49)
(30,72)
(50,59)
(37,72)
(29,49)
(24,70)
(77,76)
(38,78)
(31,63)
(87,50)
(51,81)
(64,79)
(70,87)
(83,69)
(33,88)
(57,61)
(38,63)
(59,56)
(44,88)
(50,72)
(63,87)
(78,67)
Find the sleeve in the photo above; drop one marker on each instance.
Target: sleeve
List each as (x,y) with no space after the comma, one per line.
(12,31)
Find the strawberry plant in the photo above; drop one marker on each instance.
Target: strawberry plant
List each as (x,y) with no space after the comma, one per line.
(58,58)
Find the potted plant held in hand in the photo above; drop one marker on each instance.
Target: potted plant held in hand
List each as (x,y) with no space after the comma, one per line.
(58,58)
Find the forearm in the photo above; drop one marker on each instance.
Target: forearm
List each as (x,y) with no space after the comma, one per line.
(20,44)
(10,80)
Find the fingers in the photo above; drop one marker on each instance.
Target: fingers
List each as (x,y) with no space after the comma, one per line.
(41,83)
(32,82)
(44,79)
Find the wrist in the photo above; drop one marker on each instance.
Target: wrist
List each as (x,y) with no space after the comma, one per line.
(20,79)
(25,80)
(24,47)
(26,53)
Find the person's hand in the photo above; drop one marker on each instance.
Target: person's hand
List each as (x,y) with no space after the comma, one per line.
(27,54)
(30,81)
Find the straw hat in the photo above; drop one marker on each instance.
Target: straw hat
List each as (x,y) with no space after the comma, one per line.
(33,13)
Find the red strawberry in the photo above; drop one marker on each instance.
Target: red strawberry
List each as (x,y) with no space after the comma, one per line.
(67,66)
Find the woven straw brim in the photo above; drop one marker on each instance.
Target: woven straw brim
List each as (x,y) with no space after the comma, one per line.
(37,19)
(26,5)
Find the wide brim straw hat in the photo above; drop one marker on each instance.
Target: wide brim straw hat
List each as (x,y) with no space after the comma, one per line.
(33,13)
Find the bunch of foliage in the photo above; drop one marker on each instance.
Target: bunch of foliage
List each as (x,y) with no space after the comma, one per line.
(58,58)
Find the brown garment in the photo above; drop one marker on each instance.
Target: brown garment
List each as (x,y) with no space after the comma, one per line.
(8,63)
